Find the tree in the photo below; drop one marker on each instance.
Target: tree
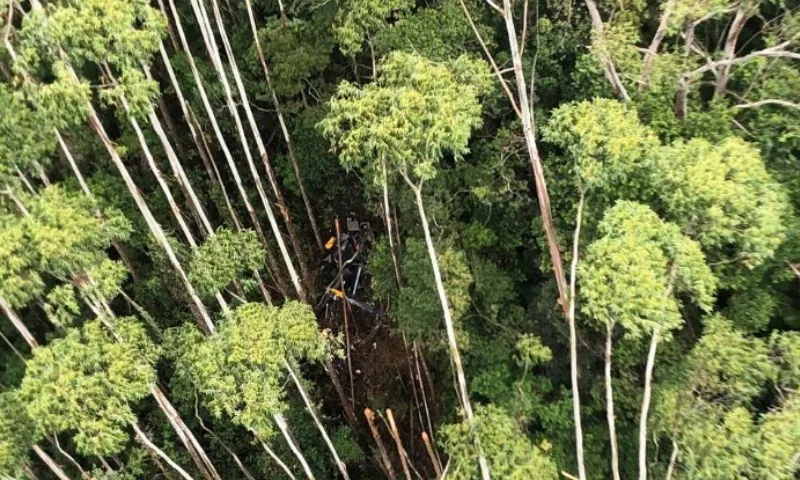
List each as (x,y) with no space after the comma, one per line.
(407,120)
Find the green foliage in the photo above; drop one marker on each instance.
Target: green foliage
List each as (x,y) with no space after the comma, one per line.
(296,51)
(723,197)
(239,371)
(87,381)
(62,307)
(605,140)
(223,258)
(626,275)
(509,453)
(358,20)
(416,306)
(16,435)
(414,113)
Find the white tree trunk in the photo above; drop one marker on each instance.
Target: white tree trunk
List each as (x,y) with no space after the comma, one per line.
(289,144)
(284,427)
(211,46)
(51,464)
(610,415)
(648,380)
(310,407)
(277,459)
(218,132)
(160,453)
(450,328)
(536,161)
(392,247)
(26,334)
(573,342)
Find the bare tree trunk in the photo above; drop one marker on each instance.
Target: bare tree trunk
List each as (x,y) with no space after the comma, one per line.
(648,382)
(145,440)
(17,322)
(204,320)
(211,43)
(455,355)
(432,455)
(392,247)
(284,427)
(401,452)
(682,95)
(739,19)
(123,252)
(196,451)
(652,50)
(51,464)
(284,129)
(610,416)
(573,342)
(605,59)
(349,414)
(211,46)
(673,459)
(535,159)
(386,462)
(310,407)
(277,459)
(218,133)
(173,205)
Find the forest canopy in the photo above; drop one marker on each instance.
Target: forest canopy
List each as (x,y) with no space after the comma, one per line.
(400,239)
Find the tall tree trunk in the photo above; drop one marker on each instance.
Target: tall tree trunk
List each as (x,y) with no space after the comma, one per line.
(652,50)
(211,46)
(145,440)
(739,19)
(648,382)
(682,95)
(204,320)
(196,451)
(284,428)
(173,205)
(26,334)
(220,137)
(605,58)
(673,459)
(310,407)
(392,246)
(289,144)
(536,161)
(610,415)
(51,464)
(277,459)
(455,355)
(573,342)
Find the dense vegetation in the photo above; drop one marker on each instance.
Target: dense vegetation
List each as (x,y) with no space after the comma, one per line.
(586,250)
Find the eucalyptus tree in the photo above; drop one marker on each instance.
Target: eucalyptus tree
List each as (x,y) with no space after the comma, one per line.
(405,122)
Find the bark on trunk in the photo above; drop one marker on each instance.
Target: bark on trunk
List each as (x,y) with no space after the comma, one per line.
(284,427)
(284,129)
(392,246)
(739,19)
(573,343)
(385,461)
(196,451)
(609,69)
(51,464)
(610,415)
(648,379)
(277,459)
(160,453)
(536,161)
(26,334)
(652,50)
(673,459)
(204,320)
(220,138)
(455,355)
(310,407)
